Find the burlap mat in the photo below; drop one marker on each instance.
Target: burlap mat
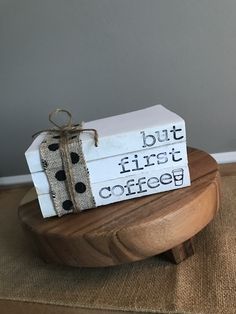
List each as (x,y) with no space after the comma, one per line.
(205,283)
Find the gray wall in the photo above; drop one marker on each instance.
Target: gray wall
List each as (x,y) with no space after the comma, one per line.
(105,57)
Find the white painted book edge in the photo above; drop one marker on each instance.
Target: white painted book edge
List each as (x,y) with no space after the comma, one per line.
(129,187)
(151,127)
(221,158)
(124,165)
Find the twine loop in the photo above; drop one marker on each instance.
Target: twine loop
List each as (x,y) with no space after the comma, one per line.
(69,127)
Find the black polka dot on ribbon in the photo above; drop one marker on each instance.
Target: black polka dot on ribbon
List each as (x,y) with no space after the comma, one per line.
(60,175)
(53,147)
(53,194)
(80,187)
(67,205)
(74,158)
(44,164)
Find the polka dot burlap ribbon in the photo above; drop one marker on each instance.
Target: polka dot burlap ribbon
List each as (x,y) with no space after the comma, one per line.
(65,166)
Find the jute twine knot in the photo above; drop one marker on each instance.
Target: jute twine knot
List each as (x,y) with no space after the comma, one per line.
(68,128)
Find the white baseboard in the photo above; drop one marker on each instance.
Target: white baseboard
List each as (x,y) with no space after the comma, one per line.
(221,158)
(15,180)
(225,158)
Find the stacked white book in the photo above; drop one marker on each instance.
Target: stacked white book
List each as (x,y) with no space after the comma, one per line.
(138,154)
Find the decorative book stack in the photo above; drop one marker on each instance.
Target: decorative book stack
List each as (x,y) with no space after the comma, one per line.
(138,153)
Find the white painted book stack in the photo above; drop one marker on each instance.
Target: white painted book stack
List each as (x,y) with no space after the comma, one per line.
(138,154)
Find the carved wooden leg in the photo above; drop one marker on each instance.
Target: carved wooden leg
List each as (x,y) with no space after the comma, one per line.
(180,252)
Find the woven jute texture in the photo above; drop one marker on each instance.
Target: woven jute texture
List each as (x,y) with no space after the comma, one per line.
(204,283)
(59,162)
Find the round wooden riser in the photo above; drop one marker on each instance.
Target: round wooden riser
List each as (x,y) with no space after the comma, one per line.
(130,230)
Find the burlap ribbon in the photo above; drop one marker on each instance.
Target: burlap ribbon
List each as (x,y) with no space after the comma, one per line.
(65,166)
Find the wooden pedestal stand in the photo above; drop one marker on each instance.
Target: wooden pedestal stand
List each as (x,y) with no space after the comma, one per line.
(130,230)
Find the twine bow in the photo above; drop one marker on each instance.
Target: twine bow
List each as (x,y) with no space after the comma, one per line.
(68,128)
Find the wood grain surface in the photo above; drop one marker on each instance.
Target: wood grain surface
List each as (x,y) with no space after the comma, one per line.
(130,230)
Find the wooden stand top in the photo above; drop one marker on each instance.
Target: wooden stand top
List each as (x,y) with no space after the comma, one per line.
(130,230)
